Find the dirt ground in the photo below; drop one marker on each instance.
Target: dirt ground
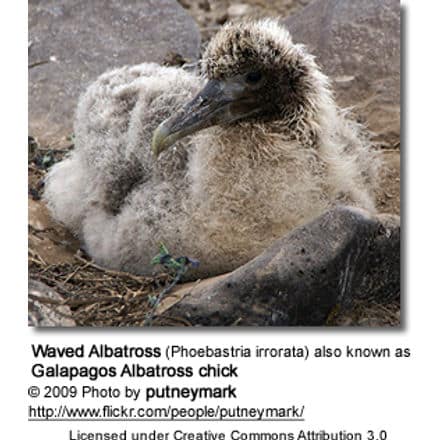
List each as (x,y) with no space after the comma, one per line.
(98,297)
(210,15)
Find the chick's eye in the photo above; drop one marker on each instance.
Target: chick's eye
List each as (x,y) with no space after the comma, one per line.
(253,77)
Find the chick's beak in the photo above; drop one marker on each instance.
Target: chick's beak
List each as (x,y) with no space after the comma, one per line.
(216,103)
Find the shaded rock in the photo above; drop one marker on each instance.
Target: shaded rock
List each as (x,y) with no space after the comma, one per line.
(381,279)
(38,216)
(49,240)
(49,251)
(388,190)
(358,45)
(367,314)
(44,309)
(342,256)
(74,42)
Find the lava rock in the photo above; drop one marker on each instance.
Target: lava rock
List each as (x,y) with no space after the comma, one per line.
(342,256)
(357,43)
(49,240)
(71,43)
(43,308)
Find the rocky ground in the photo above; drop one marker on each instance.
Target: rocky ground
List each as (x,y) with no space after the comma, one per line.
(210,15)
(98,297)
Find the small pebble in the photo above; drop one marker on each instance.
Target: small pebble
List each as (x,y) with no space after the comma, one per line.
(239,9)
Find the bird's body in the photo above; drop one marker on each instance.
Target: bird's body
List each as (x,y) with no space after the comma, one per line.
(225,193)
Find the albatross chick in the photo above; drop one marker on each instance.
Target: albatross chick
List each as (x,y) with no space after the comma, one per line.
(216,165)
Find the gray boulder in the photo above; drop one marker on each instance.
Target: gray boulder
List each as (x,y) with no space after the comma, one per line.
(72,42)
(344,255)
(357,43)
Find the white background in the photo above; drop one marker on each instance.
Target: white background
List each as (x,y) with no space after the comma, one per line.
(400,396)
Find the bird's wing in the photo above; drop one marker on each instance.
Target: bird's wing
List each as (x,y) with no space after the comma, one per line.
(115,120)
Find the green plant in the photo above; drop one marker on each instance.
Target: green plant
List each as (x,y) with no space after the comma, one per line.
(177,267)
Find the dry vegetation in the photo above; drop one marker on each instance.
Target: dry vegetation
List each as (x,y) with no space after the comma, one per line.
(100,297)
